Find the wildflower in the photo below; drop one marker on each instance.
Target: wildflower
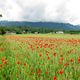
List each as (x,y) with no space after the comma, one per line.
(14,48)
(46,54)
(61,58)
(5,62)
(54,54)
(48,58)
(60,71)
(37,47)
(24,64)
(3,59)
(79,59)
(66,64)
(54,78)
(71,60)
(2,49)
(59,63)
(46,72)
(40,55)
(39,71)
(0,65)
(18,62)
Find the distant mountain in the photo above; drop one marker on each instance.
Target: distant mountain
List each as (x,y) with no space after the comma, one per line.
(52,25)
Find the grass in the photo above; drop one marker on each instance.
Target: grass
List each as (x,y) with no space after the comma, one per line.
(76,36)
(40,57)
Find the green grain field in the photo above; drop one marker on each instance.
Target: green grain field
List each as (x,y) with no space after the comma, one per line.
(40,57)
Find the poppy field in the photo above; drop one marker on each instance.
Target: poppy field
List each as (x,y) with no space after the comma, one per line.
(40,57)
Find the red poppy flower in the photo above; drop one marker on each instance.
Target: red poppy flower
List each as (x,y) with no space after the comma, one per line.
(54,54)
(71,60)
(48,58)
(46,72)
(18,62)
(3,59)
(40,55)
(5,62)
(60,71)
(24,64)
(79,59)
(54,78)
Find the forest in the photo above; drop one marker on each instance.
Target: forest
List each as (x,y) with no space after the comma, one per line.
(26,30)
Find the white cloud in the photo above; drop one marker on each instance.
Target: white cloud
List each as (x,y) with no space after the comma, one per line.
(41,10)
(73,7)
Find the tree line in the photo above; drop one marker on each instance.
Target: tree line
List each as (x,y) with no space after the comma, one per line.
(23,29)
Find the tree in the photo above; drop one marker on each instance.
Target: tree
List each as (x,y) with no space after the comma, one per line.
(0,15)
(3,31)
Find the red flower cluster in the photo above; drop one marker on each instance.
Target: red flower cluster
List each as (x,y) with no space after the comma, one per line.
(4,60)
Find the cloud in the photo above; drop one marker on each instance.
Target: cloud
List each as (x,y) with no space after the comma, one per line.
(41,10)
(73,7)
(62,11)
(34,13)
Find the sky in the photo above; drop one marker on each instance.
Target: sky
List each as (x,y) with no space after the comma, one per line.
(67,11)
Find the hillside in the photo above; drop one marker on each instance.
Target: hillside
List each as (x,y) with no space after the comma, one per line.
(52,25)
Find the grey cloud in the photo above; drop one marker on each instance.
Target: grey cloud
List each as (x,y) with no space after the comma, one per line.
(34,13)
(36,10)
(62,12)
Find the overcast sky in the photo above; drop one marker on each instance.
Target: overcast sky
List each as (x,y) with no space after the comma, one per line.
(41,10)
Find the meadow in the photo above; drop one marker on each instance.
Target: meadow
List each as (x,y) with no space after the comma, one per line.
(40,57)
